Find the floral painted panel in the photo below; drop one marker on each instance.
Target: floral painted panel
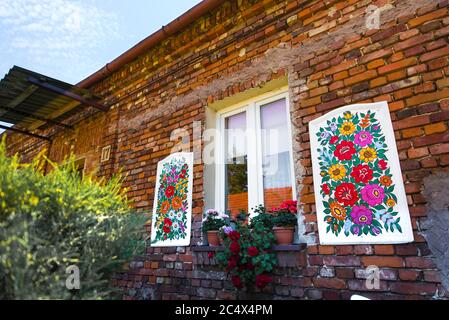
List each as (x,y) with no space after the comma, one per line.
(172,210)
(358,185)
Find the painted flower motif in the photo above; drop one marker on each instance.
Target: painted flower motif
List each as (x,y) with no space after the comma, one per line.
(171,212)
(368,154)
(391,203)
(347,226)
(326,189)
(385,181)
(373,194)
(345,150)
(347,128)
(362,173)
(337,172)
(170,191)
(325,135)
(382,164)
(177,203)
(379,145)
(348,115)
(333,127)
(334,140)
(346,194)
(363,138)
(337,211)
(357,187)
(165,206)
(361,215)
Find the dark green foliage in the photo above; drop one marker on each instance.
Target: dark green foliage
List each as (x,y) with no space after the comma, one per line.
(50,222)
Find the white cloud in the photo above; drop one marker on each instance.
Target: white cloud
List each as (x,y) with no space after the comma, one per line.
(49,32)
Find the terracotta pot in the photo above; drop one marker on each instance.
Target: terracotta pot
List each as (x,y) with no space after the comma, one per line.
(213,238)
(284,235)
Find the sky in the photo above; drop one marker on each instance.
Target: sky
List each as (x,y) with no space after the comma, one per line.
(71,39)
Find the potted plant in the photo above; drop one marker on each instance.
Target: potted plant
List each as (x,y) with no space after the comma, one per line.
(285,221)
(212,223)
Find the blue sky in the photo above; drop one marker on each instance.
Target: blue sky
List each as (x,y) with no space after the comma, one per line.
(71,39)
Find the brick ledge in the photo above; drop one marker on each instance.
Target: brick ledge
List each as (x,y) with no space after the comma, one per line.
(277,248)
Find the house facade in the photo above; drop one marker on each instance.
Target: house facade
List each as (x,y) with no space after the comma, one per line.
(255,65)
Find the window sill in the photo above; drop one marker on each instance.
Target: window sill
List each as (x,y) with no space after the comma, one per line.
(288,256)
(275,248)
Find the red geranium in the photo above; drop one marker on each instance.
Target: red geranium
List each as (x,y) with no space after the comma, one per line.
(326,188)
(168,222)
(362,173)
(234,247)
(289,205)
(334,140)
(262,280)
(346,194)
(232,263)
(211,255)
(170,191)
(234,235)
(345,150)
(253,251)
(383,164)
(166,229)
(237,282)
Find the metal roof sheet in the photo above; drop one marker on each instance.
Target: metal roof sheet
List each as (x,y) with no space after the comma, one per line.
(29,100)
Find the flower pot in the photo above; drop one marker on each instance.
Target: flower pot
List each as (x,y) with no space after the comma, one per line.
(284,235)
(213,238)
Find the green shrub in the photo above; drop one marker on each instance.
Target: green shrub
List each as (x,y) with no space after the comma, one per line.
(50,222)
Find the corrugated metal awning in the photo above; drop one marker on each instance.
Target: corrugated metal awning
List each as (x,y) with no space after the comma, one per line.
(29,100)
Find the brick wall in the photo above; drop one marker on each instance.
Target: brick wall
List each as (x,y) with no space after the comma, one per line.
(330,60)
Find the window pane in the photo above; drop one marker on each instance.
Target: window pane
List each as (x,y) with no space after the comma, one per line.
(236,167)
(277,182)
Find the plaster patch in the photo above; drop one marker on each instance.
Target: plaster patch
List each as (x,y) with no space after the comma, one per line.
(435,228)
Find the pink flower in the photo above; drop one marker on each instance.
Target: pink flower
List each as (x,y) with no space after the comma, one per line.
(361,215)
(373,194)
(363,138)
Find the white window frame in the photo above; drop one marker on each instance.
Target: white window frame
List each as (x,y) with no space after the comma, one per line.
(254,148)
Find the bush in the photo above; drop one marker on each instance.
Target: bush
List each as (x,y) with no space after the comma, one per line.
(246,256)
(50,222)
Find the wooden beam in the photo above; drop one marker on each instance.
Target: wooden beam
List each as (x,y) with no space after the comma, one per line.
(24,132)
(67,93)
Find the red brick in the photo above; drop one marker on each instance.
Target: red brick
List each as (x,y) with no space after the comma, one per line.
(413,288)
(418,152)
(409,274)
(435,54)
(428,97)
(397,65)
(411,122)
(439,149)
(419,262)
(383,261)
(428,17)
(332,283)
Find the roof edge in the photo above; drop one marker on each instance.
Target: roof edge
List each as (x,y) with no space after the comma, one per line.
(163,33)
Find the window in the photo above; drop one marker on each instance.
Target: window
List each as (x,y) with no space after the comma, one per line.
(255,163)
